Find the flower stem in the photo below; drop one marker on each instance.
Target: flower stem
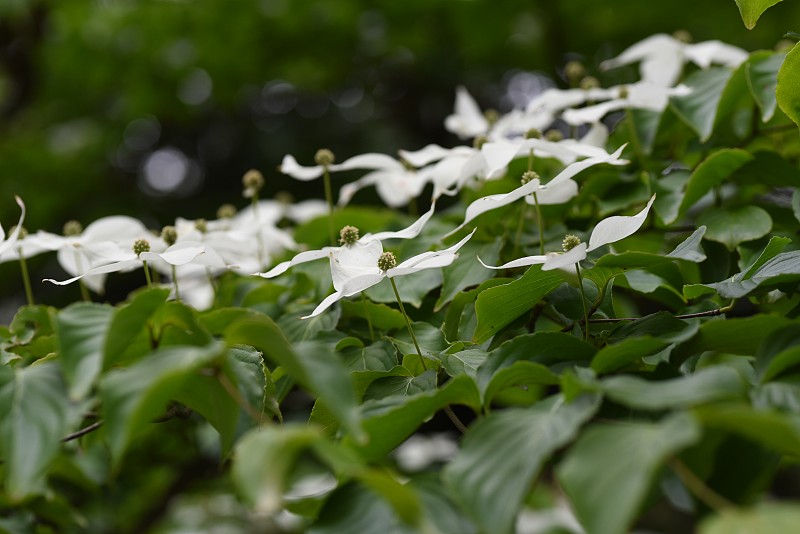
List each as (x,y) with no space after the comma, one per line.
(26,279)
(254,204)
(84,290)
(326,177)
(367,315)
(583,303)
(408,324)
(520,226)
(699,489)
(539,223)
(147,274)
(175,283)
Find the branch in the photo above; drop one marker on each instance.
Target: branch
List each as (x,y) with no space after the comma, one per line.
(82,432)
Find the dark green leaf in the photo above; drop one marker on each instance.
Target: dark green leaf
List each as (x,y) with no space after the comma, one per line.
(504,452)
(714,170)
(777,431)
(699,108)
(383,317)
(731,226)
(762,79)
(519,373)
(778,353)
(612,357)
(466,271)
(129,321)
(82,333)
(609,471)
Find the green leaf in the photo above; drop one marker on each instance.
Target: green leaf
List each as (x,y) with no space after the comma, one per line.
(751,10)
(612,357)
(519,373)
(34,417)
(706,385)
(82,332)
(788,90)
(777,431)
(296,329)
(504,452)
(313,364)
(263,460)
(134,396)
(714,170)
(764,518)
(608,472)
(403,386)
(383,317)
(129,321)
(463,362)
(466,272)
(762,79)
(354,508)
(390,421)
(431,340)
(784,267)
(698,109)
(778,353)
(774,247)
(498,306)
(207,396)
(465,300)
(412,288)
(731,226)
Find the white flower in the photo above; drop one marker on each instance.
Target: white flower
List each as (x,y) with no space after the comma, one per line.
(352,275)
(396,184)
(7,244)
(609,230)
(662,57)
(641,95)
(369,161)
(467,120)
(311,255)
(491,202)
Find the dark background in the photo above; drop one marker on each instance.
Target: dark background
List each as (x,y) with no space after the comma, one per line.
(156,108)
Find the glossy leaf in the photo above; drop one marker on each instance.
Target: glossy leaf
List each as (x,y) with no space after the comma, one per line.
(82,333)
(503,453)
(751,10)
(129,321)
(713,171)
(608,472)
(788,90)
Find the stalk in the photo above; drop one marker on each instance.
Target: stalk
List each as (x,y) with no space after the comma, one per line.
(408,324)
(26,279)
(583,303)
(147,274)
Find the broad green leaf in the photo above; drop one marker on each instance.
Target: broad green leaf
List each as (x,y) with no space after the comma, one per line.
(731,226)
(412,288)
(354,508)
(778,353)
(762,79)
(431,340)
(783,267)
(466,271)
(129,321)
(732,336)
(34,417)
(699,108)
(778,395)
(609,471)
(312,364)
(504,452)
(390,421)
(498,306)
(462,302)
(383,317)
(296,329)
(661,325)
(519,373)
(254,380)
(706,385)
(788,90)
(403,386)
(612,357)
(645,123)
(82,332)
(751,10)
(463,362)
(774,247)
(367,219)
(175,323)
(713,171)
(439,507)
(207,396)
(764,518)
(263,460)
(379,356)
(777,431)
(135,395)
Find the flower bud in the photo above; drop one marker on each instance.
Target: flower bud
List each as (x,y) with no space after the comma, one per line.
(491,116)
(479,141)
(533,133)
(141,245)
(527,176)
(589,82)
(253,179)
(201,225)
(324,157)
(284,197)
(348,235)
(169,235)
(623,92)
(683,36)
(72,228)
(226,211)
(553,135)
(23,232)
(574,71)
(386,261)
(570,241)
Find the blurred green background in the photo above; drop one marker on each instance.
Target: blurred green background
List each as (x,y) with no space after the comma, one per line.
(155,108)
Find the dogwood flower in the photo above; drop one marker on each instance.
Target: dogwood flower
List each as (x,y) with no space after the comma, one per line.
(7,244)
(395,182)
(373,265)
(366,242)
(609,230)
(369,161)
(491,202)
(467,120)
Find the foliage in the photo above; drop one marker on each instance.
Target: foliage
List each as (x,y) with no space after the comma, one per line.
(643,376)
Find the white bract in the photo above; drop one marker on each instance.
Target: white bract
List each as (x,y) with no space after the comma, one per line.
(467,120)
(363,241)
(609,230)
(369,161)
(7,244)
(353,274)
(554,187)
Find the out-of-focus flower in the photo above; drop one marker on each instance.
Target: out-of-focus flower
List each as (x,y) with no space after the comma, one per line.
(7,244)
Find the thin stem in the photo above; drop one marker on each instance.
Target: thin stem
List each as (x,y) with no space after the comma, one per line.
(254,204)
(709,313)
(84,290)
(326,177)
(364,302)
(147,274)
(408,324)
(254,414)
(455,420)
(82,432)
(175,283)
(699,489)
(26,279)
(583,303)
(530,160)
(539,223)
(520,226)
